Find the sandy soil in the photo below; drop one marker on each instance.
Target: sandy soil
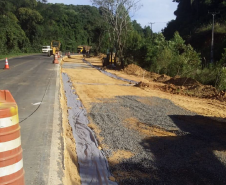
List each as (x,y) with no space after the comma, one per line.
(207,107)
(91,85)
(144,129)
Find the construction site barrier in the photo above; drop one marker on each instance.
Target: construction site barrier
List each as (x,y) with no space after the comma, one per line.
(11,159)
(6,64)
(55,61)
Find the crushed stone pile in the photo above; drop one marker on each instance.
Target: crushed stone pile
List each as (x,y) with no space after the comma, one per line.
(178,148)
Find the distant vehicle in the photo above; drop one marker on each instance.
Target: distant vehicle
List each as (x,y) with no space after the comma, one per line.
(83,49)
(55,47)
(46,49)
(80,49)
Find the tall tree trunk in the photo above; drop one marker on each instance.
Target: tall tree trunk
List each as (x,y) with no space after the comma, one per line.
(115,59)
(122,63)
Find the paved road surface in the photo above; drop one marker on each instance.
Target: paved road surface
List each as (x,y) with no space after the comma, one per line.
(32,80)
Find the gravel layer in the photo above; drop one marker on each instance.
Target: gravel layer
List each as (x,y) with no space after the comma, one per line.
(196,155)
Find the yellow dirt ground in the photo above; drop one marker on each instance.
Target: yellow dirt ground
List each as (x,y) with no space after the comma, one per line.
(201,106)
(144,129)
(118,156)
(92,85)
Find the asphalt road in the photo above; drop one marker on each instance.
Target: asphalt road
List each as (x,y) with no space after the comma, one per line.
(34,83)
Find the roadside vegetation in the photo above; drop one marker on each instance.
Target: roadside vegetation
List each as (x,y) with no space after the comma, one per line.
(27,25)
(15,55)
(182,49)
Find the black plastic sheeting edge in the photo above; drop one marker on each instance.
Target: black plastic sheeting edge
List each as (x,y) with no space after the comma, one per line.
(93,166)
(110,74)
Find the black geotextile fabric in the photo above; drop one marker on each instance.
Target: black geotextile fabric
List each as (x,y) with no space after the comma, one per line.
(110,74)
(93,166)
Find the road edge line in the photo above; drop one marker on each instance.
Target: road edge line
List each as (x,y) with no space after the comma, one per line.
(56,153)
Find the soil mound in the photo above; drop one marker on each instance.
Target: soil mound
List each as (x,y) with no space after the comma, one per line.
(189,87)
(133,69)
(177,85)
(183,81)
(200,91)
(101,56)
(162,78)
(208,91)
(142,84)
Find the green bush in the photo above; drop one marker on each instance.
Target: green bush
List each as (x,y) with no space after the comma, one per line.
(221,84)
(172,57)
(207,76)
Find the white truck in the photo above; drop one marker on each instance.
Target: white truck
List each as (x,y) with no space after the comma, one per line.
(46,49)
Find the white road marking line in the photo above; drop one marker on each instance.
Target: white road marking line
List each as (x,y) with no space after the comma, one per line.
(38,103)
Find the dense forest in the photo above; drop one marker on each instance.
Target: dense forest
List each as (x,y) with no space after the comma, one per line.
(27,25)
(194,20)
(183,48)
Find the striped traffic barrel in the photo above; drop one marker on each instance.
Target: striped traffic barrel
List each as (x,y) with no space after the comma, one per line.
(11,160)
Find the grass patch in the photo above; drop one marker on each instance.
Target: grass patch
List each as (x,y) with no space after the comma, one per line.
(16,55)
(218,28)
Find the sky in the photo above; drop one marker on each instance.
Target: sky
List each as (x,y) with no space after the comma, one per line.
(158,12)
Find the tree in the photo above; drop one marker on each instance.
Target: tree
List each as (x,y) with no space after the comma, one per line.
(29,19)
(116,14)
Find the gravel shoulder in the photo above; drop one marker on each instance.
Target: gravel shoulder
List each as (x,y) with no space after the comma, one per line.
(150,136)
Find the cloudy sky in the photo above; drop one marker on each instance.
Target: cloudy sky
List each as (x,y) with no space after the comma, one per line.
(158,12)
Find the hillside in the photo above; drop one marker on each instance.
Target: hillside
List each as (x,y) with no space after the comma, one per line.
(27,25)
(194,23)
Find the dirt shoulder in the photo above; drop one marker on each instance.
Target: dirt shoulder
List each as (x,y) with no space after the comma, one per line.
(202,106)
(145,137)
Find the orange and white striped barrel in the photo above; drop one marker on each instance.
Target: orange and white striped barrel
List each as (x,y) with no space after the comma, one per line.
(11,160)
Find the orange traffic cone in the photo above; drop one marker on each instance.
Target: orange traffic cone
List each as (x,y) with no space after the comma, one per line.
(55,61)
(6,64)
